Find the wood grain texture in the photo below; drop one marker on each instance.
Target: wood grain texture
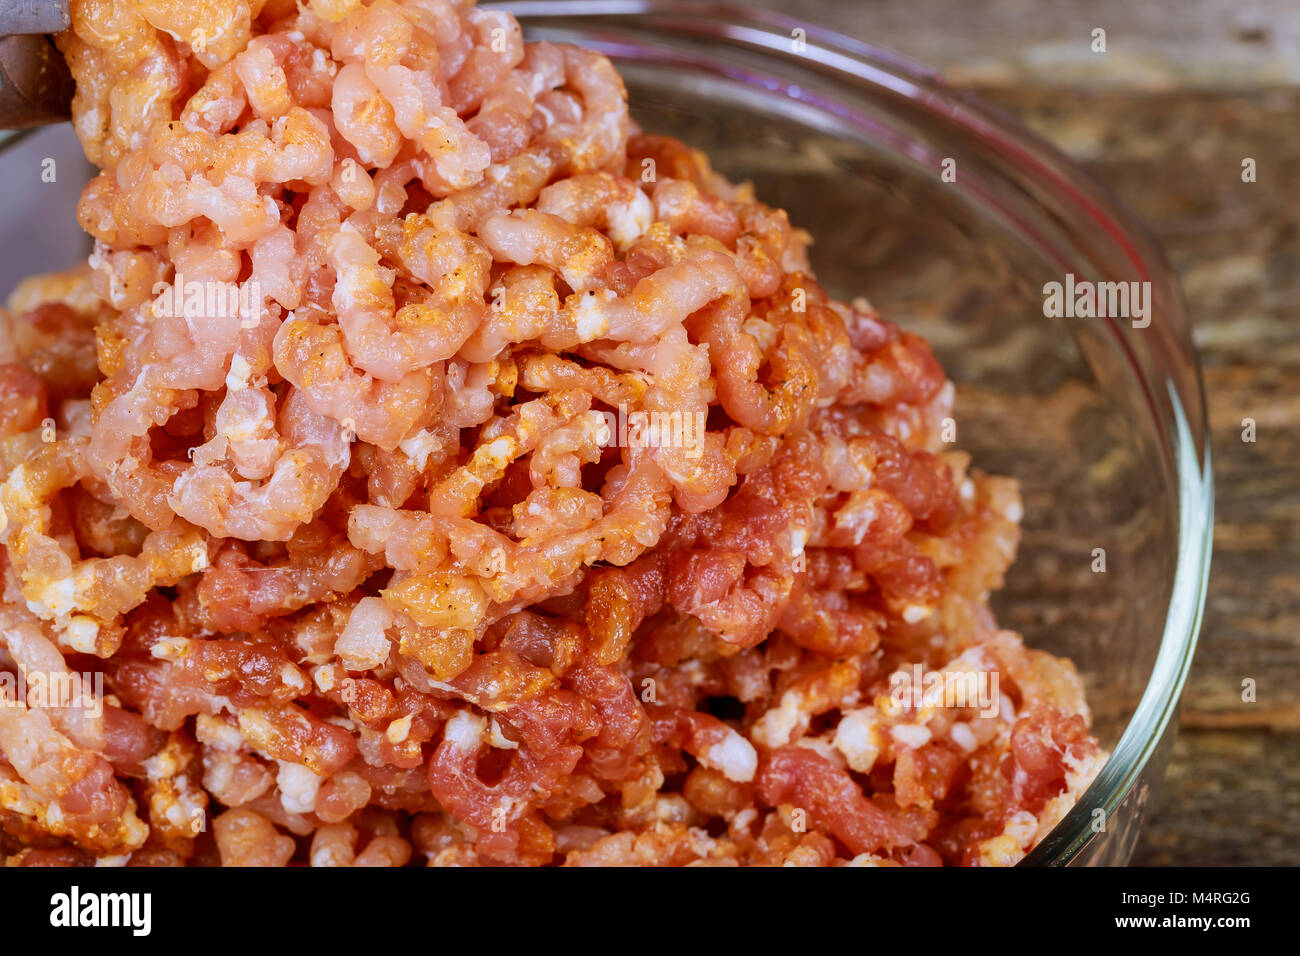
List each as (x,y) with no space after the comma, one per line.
(1175,158)
(1150,44)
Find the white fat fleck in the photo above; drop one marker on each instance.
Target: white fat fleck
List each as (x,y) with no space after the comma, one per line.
(776,727)
(217,733)
(1006,710)
(498,451)
(745,819)
(294,678)
(672,808)
(419,447)
(185,808)
(498,739)
(1021,827)
(399,729)
(798,540)
(856,518)
(734,756)
(694,671)
(113,859)
(589,315)
(81,634)
(323,678)
(1014,512)
(822,746)
(163,765)
(364,641)
(889,707)
(1079,772)
(967,490)
(1001,850)
(198,557)
(134,830)
(764,333)
(858,737)
(629,221)
(911,735)
(19,487)
(963,736)
(298,787)
(170,648)
(58,596)
(465,730)
(329,855)
(240,374)
(915,613)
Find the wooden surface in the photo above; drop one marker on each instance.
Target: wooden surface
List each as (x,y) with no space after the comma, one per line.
(1185,92)
(1232,794)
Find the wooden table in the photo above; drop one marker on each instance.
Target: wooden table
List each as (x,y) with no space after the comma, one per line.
(1232,794)
(1185,91)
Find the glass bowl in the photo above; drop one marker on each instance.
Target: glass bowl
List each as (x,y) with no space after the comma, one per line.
(1102,421)
(44,171)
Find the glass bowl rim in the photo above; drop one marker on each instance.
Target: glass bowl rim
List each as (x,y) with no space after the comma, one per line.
(1030,155)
